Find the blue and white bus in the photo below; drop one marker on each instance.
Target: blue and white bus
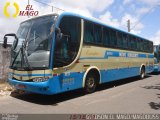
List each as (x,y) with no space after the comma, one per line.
(157,58)
(56,53)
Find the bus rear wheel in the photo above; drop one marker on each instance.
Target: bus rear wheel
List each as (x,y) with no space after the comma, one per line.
(142,73)
(90,83)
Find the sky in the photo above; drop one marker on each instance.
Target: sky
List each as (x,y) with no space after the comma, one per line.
(143,14)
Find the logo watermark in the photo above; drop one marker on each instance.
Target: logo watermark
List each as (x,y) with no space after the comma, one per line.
(28,11)
(6,11)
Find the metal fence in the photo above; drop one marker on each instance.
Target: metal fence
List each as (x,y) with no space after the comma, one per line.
(4,63)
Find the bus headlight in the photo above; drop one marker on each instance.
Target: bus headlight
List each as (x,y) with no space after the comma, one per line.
(40,79)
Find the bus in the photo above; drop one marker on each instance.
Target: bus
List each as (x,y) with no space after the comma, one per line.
(61,52)
(157,58)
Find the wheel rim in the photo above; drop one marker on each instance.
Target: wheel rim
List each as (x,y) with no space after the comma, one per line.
(90,82)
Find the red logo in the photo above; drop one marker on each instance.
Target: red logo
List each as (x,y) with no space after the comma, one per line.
(29,11)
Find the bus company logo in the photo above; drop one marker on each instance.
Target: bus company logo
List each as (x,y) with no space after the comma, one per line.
(29,11)
(6,12)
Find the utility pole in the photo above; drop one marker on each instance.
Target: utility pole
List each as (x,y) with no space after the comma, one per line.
(129,25)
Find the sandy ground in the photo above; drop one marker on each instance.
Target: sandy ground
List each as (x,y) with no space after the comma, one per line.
(5,89)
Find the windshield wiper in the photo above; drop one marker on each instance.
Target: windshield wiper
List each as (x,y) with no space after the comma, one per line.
(23,57)
(15,57)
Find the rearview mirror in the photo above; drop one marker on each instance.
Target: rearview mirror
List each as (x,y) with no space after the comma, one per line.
(5,42)
(5,39)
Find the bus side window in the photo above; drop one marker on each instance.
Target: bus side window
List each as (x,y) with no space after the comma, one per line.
(132,43)
(151,47)
(134,40)
(106,36)
(113,40)
(88,32)
(120,40)
(67,48)
(138,44)
(145,46)
(129,43)
(142,46)
(97,34)
(125,41)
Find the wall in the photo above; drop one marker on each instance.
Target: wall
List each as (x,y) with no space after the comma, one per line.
(4,63)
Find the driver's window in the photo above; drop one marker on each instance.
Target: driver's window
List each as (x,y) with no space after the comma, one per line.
(66,49)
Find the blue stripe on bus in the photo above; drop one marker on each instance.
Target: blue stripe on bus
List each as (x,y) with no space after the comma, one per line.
(126,54)
(151,56)
(142,55)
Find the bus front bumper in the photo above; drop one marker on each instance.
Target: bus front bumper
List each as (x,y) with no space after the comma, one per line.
(34,87)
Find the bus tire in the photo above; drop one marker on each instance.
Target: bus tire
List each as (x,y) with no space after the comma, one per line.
(90,82)
(142,72)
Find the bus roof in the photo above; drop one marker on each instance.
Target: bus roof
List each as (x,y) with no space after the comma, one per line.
(92,19)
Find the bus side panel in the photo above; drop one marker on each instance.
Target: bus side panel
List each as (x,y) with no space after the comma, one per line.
(149,69)
(121,73)
(63,82)
(156,68)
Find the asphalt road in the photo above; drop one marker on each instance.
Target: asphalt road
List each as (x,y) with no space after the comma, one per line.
(124,96)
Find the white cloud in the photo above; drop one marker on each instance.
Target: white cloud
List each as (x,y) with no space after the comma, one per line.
(156,38)
(126,2)
(143,10)
(150,2)
(147,2)
(136,26)
(108,19)
(92,5)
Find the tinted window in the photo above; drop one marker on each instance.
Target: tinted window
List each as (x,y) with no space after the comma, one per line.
(141,44)
(66,49)
(129,43)
(97,34)
(113,38)
(106,36)
(125,42)
(138,44)
(88,32)
(120,40)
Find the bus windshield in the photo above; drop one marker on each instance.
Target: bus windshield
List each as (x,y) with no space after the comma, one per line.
(36,36)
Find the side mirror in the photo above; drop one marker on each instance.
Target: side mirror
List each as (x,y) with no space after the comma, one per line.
(5,39)
(5,42)
(59,35)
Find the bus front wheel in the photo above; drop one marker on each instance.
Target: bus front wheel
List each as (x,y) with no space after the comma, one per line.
(90,83)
